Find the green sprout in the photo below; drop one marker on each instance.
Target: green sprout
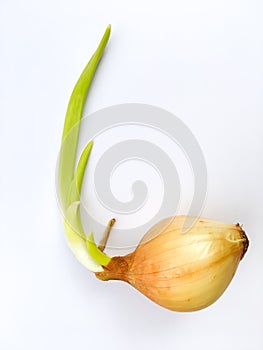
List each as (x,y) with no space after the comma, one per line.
(69,179)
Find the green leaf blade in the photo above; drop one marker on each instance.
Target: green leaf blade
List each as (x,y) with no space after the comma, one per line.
(69,180)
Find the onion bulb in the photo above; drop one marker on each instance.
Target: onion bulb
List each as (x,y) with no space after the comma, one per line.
(182,271)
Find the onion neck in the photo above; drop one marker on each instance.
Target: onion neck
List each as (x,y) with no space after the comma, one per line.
(117,269)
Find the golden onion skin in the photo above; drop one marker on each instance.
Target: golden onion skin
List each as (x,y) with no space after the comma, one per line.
(182,271)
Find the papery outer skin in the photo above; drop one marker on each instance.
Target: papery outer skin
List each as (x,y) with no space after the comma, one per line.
(182,272)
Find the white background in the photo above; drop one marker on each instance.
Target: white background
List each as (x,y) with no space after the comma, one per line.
(201,60)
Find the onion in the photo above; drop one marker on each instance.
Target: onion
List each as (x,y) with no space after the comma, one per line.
(182,271)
